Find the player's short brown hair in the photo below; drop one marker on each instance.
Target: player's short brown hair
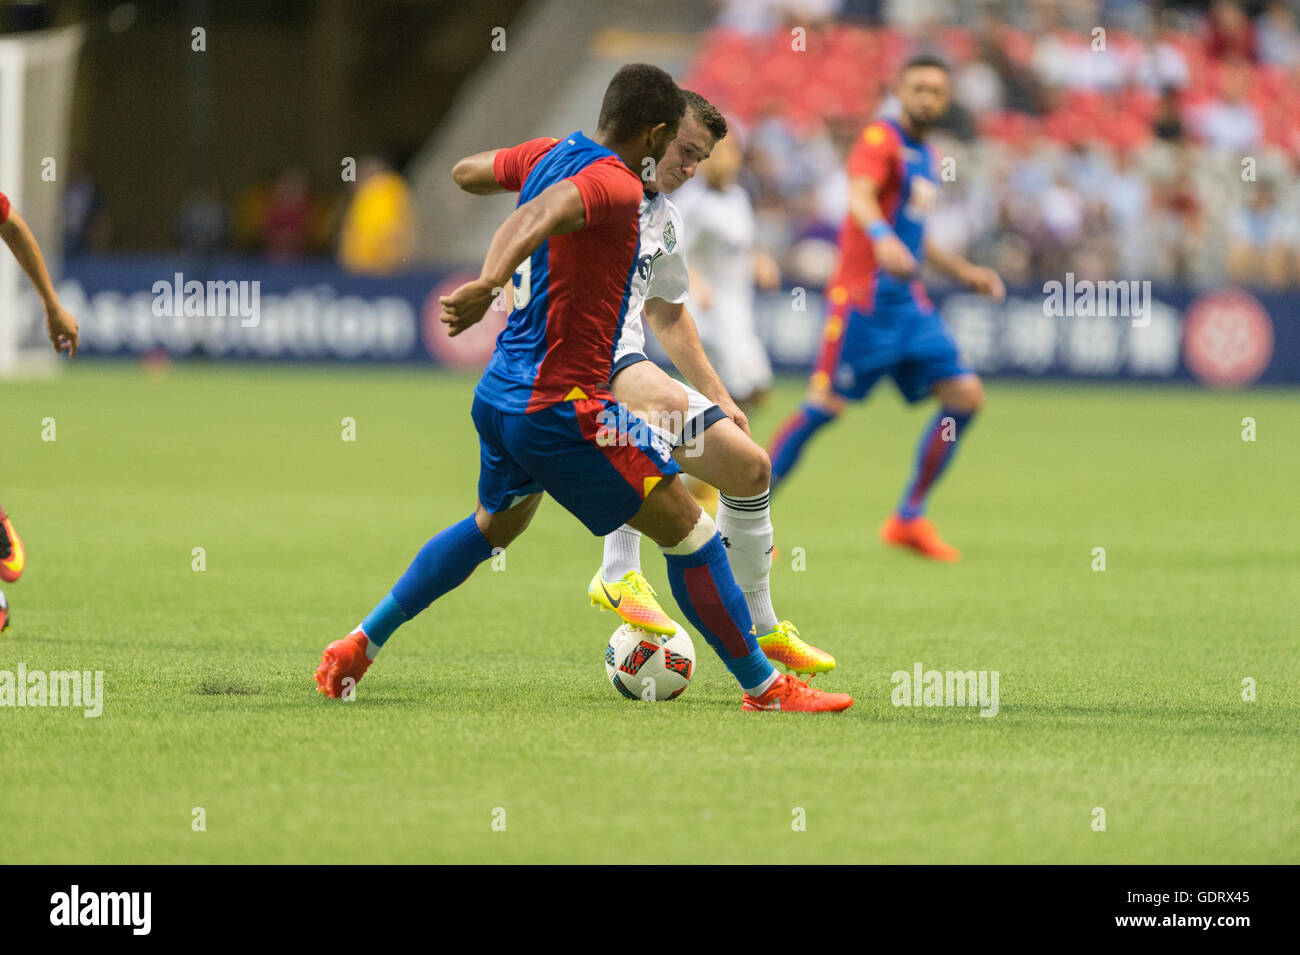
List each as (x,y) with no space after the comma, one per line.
(929,60)
(638,97)
(708,115)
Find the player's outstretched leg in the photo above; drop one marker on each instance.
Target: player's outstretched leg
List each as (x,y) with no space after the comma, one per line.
(706,591)
(794,433)
(959,398)
(741,470)
(13,558)
(442,564)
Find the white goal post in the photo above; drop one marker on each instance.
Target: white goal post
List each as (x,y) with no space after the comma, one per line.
(37,71)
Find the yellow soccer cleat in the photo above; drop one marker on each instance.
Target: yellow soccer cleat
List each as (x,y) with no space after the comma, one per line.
(633,599)
(782,644)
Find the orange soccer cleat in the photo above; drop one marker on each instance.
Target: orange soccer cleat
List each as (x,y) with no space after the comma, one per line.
(920,535)
(791,694)
(342,660)
(12,555)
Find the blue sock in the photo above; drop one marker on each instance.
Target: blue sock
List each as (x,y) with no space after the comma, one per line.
(383,620)
(933,454)
(706,591)
(792,436)
(443,564)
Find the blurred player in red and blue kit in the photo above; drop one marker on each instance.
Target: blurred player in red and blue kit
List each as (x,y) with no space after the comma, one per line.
(543,404)
(63,332)
(879,319)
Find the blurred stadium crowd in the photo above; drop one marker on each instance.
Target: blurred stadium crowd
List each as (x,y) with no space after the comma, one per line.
(1111,138)
(369,226)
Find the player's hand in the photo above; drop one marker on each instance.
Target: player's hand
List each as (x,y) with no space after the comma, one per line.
(767,273)
(466,306)
(987,282)
(62,328)
(894,257)
(732,411)
(702,292)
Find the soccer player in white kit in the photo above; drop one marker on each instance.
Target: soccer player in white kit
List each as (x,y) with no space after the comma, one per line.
(726,457)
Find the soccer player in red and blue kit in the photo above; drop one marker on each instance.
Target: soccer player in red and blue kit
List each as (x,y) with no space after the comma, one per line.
(63,332)
(542,407)
(879,319)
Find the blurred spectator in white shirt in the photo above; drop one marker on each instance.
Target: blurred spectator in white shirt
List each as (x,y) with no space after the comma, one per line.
(1231,123)
(1128,198)
(1261,240)
(1278,41)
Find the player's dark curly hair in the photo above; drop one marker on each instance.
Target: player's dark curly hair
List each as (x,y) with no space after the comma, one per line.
(707,114)
(638,97)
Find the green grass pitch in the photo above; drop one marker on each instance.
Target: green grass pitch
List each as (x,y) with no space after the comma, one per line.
(1120,690)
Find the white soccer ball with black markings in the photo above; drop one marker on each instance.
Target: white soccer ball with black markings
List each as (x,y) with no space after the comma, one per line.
(648,666)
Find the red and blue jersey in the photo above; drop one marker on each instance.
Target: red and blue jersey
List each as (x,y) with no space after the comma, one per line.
(905,171)
(571,294)
(4,208)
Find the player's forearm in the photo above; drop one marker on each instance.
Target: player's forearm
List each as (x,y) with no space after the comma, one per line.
(864,206)
(677,332)
(23,245)
(947,262)
(517,239)
(557,211)
(477,174)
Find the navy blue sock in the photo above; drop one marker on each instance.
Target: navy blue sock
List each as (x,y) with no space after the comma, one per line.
(934,452)
(792,436)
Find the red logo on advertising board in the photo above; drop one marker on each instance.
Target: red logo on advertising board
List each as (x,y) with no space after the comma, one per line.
(1227,339)
(471,348)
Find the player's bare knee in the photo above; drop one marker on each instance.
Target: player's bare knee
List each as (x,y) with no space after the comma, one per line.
(826,401)
(668,514)
(502,528)
(755,475)
(967,396)
(681,517)
(762,475)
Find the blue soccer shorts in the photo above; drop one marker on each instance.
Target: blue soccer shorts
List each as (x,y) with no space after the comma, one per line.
(904,338)
(591,454)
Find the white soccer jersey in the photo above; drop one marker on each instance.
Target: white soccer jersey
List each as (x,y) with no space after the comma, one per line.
(660,269)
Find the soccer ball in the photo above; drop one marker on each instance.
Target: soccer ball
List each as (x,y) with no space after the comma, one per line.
(647,666)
